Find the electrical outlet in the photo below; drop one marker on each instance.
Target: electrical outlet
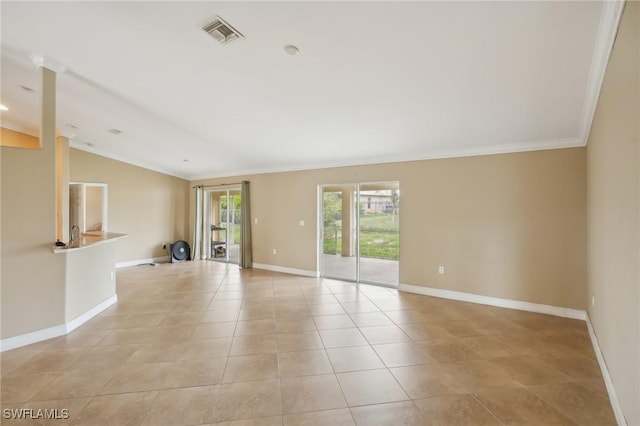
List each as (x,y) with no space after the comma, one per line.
(255,220)
(441,270)
(593,301)
(275,252)
(302,223)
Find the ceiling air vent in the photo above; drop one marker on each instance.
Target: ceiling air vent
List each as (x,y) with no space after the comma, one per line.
(222,31)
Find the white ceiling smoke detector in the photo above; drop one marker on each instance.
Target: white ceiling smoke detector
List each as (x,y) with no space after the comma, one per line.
(222,31)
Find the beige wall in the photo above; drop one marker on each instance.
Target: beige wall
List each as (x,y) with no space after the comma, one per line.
(94,265)
(32,279)
(614,216)
(11,138)
(40,289)
(510,226)
(148,206)
(93,199)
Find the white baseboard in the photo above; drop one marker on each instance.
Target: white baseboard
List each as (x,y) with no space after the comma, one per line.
(56,331)
(613,397)
(495,301)
(33,337)
(283,269)
(82,318)
(137,262)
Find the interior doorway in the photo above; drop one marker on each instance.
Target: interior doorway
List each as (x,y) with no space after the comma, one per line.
(223,219)
(360,232)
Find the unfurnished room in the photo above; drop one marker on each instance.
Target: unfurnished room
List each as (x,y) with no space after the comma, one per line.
(320,213)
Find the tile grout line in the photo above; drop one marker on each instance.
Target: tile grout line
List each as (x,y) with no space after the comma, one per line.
(473,395)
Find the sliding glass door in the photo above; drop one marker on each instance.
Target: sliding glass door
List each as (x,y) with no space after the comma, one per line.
(223,223)
(360,232)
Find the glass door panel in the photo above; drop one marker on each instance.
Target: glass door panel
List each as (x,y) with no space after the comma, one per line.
(379,228)
(233,226)
(339,232)
(223,219)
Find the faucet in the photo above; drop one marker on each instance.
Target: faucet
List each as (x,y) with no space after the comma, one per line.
(71,232)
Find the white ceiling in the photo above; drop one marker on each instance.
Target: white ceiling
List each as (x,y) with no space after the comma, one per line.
(374,82)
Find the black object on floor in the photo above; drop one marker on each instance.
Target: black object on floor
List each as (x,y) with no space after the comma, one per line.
(180,251)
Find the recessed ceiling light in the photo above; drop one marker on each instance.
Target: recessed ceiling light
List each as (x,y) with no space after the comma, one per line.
(26,89)
(291,49)
(115,131)
(3,108)
(185,160)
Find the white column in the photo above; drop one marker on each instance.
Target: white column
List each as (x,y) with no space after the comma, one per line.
(49,69)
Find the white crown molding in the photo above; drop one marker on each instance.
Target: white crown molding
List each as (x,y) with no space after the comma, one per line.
(285,270)
(540,145)
(611,390)
(42,61)
(495,301)
(56,331)
(607,31)
(83,147)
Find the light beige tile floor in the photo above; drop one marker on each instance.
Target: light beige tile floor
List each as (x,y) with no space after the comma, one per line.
(206,343)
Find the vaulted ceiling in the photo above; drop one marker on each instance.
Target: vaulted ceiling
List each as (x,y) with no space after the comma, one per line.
(373,82)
